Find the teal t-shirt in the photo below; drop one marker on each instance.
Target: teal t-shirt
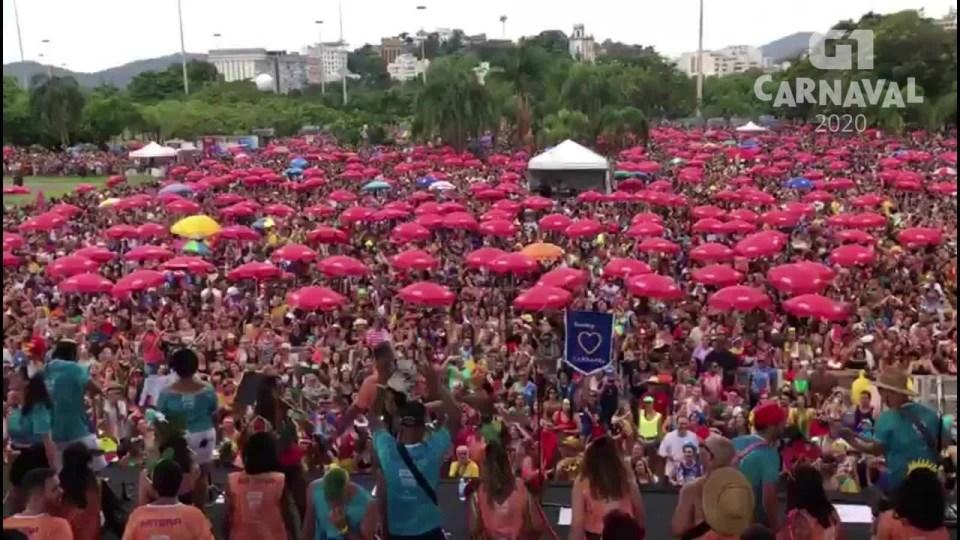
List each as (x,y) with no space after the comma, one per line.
(196,409)
(67,384)
(355,509)
(761,467)
(409,511)
(902,442)
(28,429)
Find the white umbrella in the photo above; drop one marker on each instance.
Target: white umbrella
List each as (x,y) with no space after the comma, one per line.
(442,185)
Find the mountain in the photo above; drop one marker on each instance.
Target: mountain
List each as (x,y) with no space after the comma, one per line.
(787,48)
(117,76)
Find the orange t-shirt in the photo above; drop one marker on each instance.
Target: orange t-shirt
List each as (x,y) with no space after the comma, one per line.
(255,506)
(40,527)
(594,511)
(503,520)
(84,522)
(890,527)
(169,522)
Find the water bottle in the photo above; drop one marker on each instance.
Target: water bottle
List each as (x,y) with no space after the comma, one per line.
(462,489)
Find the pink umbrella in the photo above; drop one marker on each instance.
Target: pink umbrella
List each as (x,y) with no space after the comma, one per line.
(554,222)
(739,298)
(507,206)
(565,278)
(409,232)
(711,252)
(916,237)
(516,264)
(238,232)
(427,294)
(867,220)
(85,284)
(314,298)
(654,286)
(342,196)
(742,214)
(761,244)
(483,257)
(817,307)
(781,219)
(414,259)
(583,228)
(66,210)
(794,279)
(430,221)
(12,240)
(498,227)
(591,197)
(257,271)
(293,253)
(868,200)
(342,266)
(16,190)
(139,280)
(490,194)
(818,196)
(182,206)
(238,210)
(493,214)
(387,214)
(84,188)
(320,211)
(536,202)
(327,235)
(43,223)
(855,236)
(853,255)
(658,245)
(71,265)
(646,217)
(450,207)
(460,220)
(645,229)
(148,253)
(542,298)
(123,230)
(151,230)
(95,253)
(707,211)
(191,264)
(279,210)
(717,275)
(624,268)
(11,260)
(356,214)
(707,226)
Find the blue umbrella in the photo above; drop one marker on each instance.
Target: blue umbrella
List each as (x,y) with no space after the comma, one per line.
(424,182)
(799,183)
(176,188)
(298,162)
(294,171)
(376,185)
(749,143)
(194,246)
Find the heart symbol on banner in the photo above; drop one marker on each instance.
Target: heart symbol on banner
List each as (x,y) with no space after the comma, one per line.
(589,341)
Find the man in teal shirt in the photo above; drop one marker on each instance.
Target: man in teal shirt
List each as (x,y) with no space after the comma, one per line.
(758,459)
(68,382)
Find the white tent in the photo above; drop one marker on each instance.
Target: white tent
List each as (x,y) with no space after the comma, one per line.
(750,127)
(568,156)
(153,150)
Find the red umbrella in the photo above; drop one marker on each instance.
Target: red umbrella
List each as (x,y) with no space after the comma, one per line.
(450,207)
(658,245)
(493,214)
(387,214)
(817,307)
(279,210)
(409,232)
(327,235)
(717,275)
(565,278)
(794,279)
(645,229)
(554,222)
(711,252)
(646,217)
(227,199)
(516,264)
(742,214)
(802,208)
(583,228)
(507,206)
(148,253)
(427,294)
(867,220)
(115,180)
(916,237)
(342,196)
(356,214)
(542,298)
(238,232)
(43,223)
(320,211)
(11,260)
(536,202)
(761,244)
(624,268)
(85,284)
(151,230)
(314,298)
(818,196)
(139,280)
(123,230)
(460,220)
(238,210)
(257,271)
(483,257)
(781,219)
(869,200)
(498,227)
(342,266)
(414,259)
(95,253)
(855,236)
(853,255)
(591,197)
(182,206)
(654,286)
(16,190)
(490,194)
(430,221)
(707,226)
(293,252)
(71,265)
(84,188)
(12,240)
(739,298)
(133,202)
(943,188)
(707,211)
(736,226)
(66,210)
(191,264)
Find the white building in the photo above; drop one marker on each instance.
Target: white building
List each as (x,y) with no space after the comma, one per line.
(407,67)
(582,46)
(288,71)
(949,21)
(734,59)
(334,62)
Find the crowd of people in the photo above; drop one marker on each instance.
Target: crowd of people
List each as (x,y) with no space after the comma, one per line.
(19,162)
(398,312)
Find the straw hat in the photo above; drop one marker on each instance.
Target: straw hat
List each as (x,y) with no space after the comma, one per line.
(895,380)
(728,502)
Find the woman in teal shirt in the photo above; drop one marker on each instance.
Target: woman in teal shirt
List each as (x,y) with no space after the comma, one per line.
(338,509)
(195,403)
(29,428)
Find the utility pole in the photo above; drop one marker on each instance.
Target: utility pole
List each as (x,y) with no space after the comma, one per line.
(323,67)
(343,44)
(503,26)
(423,42)
(183,50)
(46,47)
(16,20)
(700,65)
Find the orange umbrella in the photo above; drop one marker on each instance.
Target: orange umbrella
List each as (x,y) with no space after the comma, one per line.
(543,251)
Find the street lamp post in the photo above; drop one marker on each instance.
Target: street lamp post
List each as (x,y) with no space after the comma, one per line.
(343,44)
(503,26)
(16,20)
(183,50)
(700,65)
(323,67)
(423,42)
(45,45)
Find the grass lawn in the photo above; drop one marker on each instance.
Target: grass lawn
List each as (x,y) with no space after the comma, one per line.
(56,186)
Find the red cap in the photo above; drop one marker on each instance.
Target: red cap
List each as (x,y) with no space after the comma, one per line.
(768,413)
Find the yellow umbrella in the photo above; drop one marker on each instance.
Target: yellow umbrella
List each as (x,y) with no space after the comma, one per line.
(107,203)
(543,251)
(196,227)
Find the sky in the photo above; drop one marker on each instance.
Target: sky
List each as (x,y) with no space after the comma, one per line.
(90,35)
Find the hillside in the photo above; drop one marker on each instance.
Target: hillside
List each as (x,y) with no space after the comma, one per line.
(118,76)
(787,48)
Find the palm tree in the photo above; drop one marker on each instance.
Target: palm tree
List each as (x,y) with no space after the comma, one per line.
(57,103)
(453,105)
(619,125)
(524,72)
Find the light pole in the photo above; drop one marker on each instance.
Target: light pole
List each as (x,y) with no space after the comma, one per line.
(16,20)
(503,26)
(183,50)
(423,42)
(323,67)
(45,46)
(700,65)
(343,45)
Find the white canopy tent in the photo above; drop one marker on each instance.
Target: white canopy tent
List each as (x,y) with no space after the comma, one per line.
(750,127)
(154,150)
(568,168)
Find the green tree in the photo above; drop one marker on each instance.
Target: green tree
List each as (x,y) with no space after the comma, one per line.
(57,104)
(453,105)
(587,89)
(106,115)
(563,125)
(621,126)
(524,71)
(17,125)
(369,65)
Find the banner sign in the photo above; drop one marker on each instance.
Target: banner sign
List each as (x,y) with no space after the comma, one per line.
(589,341)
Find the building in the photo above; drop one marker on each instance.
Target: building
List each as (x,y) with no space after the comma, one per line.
(949,21)
(734,59)
(391,48)
(288,71)
(333,61)
(407,67)
(582,46)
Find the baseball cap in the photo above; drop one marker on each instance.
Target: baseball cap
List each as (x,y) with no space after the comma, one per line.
(413,414)
(768,413)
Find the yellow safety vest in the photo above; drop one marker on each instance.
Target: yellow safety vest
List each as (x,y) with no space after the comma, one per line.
(649,428)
